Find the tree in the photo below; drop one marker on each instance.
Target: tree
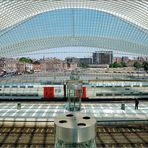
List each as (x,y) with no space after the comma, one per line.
(145,66)
(115,65)
(111,65)
(84,65)
(26,60)
(137,65)
(123,64)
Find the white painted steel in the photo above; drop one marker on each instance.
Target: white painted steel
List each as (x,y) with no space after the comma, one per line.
(14,12)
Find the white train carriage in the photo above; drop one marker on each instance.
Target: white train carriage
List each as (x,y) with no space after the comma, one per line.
(31,91)
(20,91)
(116,90)
(91,90)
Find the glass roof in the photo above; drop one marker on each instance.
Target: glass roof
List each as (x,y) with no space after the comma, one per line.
(64,23)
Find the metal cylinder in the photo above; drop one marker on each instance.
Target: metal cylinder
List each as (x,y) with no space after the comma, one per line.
(75,128)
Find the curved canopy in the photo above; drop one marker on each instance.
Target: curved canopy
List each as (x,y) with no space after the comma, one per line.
(111,24)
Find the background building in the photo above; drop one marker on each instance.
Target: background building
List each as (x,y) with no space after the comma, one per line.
(85,61)
(71,60)
(125,59)
(103,57)
(117,59)
(36,66)
(1,65)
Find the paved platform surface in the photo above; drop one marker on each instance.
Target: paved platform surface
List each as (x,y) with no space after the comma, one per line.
(46,111)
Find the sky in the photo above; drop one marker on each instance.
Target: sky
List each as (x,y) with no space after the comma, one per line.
(72,22)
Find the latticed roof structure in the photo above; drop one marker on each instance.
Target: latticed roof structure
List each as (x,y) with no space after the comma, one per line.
(110,24)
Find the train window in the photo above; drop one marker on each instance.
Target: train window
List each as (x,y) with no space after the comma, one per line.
(145,85)
(99,94)
(14,94)
(120,86)
(22,86)
(108,86)
(30,95)
(127,85)
(22,95)
(7,94)
(127,89)
(136,86)
(30,86)
(117,94)
(14,86)
(135,93)
(117,86)
(0,86)
(57,90)
(143,93)
(6,86)
(127,94)
(108,94)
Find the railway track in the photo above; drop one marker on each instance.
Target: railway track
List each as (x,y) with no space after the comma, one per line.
(106,136)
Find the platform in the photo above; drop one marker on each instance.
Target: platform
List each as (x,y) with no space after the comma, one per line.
(46,111)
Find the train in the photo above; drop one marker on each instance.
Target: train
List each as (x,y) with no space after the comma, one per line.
(90,90)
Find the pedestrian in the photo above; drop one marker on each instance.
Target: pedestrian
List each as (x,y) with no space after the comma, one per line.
(136,104)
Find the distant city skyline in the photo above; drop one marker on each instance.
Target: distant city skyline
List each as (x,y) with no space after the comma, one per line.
(79,52)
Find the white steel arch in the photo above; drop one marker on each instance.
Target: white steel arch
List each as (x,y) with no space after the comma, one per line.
(57,42)
(14,11)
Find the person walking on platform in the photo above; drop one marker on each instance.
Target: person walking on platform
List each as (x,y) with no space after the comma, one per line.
(136,104)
